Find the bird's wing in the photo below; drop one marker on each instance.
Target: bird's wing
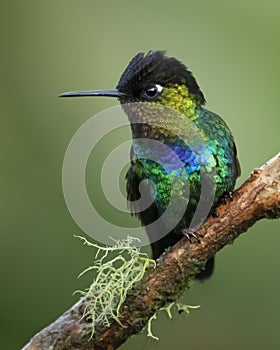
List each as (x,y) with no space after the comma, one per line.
(133,180)
(236,161)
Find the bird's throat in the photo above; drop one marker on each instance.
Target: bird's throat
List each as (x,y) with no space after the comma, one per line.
(179,99)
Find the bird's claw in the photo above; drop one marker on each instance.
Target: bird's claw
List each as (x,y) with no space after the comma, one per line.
(192,235)
(227,196)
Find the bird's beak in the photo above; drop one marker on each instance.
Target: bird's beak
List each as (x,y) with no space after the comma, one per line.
(107,93)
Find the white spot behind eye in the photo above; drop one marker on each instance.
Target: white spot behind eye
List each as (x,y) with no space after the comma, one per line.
(159,88)
(151,91)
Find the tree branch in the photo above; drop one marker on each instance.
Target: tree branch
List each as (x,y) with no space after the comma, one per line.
(257,198)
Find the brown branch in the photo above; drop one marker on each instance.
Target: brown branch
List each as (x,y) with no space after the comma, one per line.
(257,198)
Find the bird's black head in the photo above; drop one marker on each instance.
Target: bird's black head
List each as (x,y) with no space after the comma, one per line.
(146,75)
(147,78)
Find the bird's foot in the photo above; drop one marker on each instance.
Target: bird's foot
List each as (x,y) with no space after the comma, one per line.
(215,213)
(228,195)
(191,235)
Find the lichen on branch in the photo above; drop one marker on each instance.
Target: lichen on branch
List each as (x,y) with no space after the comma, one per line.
(118,268)
(257,198)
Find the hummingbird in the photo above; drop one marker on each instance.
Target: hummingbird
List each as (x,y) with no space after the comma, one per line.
(163,102)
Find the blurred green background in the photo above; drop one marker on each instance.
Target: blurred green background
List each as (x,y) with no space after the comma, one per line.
(48,47)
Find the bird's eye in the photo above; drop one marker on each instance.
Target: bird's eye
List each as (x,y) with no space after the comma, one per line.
(151,92)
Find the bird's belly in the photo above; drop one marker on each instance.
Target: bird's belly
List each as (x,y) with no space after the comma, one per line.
(183,197)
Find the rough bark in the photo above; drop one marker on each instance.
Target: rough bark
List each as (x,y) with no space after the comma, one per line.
(257,198)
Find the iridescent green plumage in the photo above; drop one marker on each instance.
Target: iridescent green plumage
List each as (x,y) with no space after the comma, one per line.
(206,148)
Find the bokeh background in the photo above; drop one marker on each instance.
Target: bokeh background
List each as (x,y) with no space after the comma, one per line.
(48,47)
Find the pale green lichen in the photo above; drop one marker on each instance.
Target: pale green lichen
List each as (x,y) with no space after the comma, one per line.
(185,308)
(150,333)
(180,308)
(117,268)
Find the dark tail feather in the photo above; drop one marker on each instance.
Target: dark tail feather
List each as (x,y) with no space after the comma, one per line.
(207,272)
(159,246)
